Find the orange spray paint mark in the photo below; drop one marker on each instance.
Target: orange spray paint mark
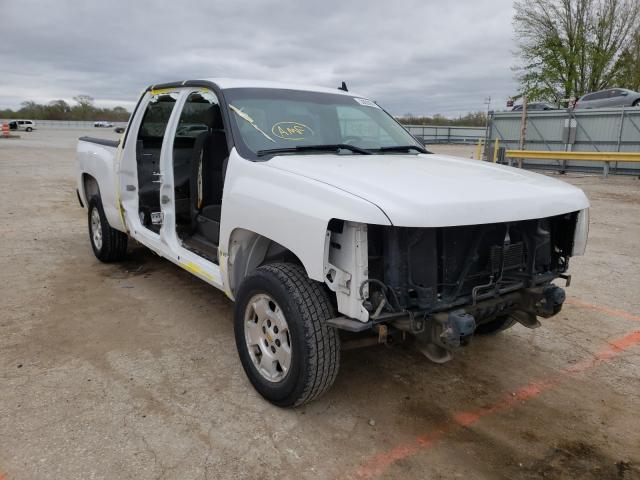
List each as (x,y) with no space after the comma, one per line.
(379,463)
(614,312)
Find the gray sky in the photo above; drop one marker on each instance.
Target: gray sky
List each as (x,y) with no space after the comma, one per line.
(420,57)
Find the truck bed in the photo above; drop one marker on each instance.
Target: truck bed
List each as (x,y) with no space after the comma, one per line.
(101,141)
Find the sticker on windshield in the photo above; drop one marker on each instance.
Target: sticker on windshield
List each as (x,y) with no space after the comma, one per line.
(365,102)
(291,130)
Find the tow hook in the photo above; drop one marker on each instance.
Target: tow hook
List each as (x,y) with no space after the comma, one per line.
(445,333)
(551,301)
(458,329)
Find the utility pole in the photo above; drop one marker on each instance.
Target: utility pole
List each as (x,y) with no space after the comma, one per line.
(523,127)
(487,140)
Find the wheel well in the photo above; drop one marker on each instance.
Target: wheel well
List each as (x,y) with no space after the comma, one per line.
(90,187)
(249,250)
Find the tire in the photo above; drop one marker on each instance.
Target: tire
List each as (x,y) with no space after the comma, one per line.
(108,244)
(636,103)
(495,326)
(311,348)
(29,129)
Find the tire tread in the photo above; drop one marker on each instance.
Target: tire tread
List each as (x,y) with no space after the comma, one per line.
(323,341)
(114,242)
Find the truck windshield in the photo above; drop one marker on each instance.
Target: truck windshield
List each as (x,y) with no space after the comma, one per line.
(269,121)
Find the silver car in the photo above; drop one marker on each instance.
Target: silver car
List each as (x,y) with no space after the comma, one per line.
(534,106)
(610,98)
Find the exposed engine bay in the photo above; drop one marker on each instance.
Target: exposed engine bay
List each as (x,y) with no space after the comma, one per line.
(444,284)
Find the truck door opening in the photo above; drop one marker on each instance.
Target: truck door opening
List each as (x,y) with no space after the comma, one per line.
(148,148)
(200,154)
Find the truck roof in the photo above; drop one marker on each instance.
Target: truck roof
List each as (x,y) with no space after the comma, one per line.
(227,83)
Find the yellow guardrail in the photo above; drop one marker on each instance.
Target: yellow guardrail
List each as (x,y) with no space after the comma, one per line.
(605,157)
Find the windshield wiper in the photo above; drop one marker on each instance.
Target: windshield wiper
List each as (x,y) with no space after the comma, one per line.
(402,148)
(318,148)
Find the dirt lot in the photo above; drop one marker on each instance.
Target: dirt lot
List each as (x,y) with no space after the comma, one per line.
(130,370)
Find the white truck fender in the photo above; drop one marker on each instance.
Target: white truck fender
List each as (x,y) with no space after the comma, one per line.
(289,209)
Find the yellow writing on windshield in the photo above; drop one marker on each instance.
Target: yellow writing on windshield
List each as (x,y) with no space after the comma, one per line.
(291,130)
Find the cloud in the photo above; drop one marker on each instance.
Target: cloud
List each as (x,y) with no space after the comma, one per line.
(412,56)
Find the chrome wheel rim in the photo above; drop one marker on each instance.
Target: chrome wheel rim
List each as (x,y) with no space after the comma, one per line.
(96,229)
(266,333)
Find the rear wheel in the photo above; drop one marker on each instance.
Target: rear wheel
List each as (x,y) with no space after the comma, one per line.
(108,244)
(29,129)
(495,326)
(287,350)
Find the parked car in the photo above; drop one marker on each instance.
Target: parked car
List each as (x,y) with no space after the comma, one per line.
(26,125)
(611,97)
(534,106)
(103,124)
(325,221)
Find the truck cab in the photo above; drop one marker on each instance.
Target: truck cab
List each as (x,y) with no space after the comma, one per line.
(325,221)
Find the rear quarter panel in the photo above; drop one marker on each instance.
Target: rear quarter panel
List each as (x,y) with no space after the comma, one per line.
(98,161)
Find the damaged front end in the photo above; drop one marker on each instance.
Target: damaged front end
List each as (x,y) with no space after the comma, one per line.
(444,284)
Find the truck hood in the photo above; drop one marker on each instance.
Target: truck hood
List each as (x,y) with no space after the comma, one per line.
(431,190)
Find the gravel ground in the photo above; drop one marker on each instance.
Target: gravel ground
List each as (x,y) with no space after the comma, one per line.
(129,371)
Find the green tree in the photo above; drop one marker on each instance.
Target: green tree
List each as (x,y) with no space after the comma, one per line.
(628,72)
(30,109)
(61,110)
(571,47)
(473,119)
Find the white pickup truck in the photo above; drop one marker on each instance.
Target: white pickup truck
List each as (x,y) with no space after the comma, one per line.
(327,222)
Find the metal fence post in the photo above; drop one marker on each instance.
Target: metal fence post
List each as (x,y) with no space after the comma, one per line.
(487,134)
(620,129)
(615,166)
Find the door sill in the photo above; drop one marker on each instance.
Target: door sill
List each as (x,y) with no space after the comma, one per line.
(201,247)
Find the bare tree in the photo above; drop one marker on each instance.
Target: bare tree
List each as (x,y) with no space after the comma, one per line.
(84,110)
(84,100)
(57,110)
(571,47)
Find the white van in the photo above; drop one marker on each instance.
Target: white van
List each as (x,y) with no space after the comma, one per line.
(26,125)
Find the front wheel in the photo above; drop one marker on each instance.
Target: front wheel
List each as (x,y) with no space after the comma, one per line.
(29,129)
(287,350)
(108,244)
